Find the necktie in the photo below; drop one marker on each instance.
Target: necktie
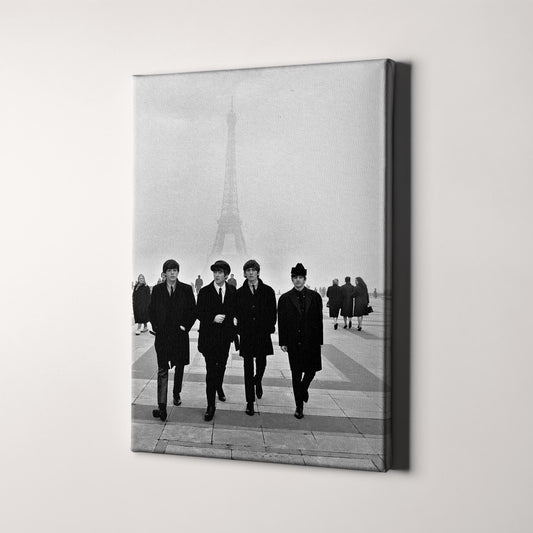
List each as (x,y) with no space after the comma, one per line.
(220,294)
(171,291)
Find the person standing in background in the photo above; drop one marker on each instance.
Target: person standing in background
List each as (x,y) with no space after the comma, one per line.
(334,304)
(198,283)
(141,302)
(348,291)
(361,301)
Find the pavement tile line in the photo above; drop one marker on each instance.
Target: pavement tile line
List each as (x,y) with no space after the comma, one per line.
(274,455)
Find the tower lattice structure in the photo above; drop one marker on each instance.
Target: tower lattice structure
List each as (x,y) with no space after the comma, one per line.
(230,222)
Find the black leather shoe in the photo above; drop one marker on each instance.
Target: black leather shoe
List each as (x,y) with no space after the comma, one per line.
(177,400)
(259,390)
(299,413)
(305,396)
(209,414)
(221,395)
(335,326)
(250,409)
(345,326)
(160,413)
(359,328)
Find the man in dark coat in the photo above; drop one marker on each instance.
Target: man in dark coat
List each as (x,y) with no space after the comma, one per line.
(172,314)
(348,293)
(256,321)
(334,295)
(301,334)
(216,312)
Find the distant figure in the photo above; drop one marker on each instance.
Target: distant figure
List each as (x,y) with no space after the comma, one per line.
(199,283)
(172,314)
(348,291)
(334,294)
(323,291)
(141,302)
(232,281)
(375,293)
(361,301)
(301,335)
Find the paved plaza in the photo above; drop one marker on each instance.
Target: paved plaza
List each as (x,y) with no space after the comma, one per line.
(346,418)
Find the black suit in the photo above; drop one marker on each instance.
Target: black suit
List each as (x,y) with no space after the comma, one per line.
(256,320)
(301,330)
(214,339)
(167,314)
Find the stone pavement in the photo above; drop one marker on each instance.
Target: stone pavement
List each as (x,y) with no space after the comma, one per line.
(346,419)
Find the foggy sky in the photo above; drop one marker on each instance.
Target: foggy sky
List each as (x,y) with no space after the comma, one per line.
(310,144)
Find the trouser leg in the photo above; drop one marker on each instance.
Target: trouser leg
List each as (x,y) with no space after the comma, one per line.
(222,360)
(306,380)
(162,385)
(210,379)
(297,388)
(260,366)
(178,379)
(249,379)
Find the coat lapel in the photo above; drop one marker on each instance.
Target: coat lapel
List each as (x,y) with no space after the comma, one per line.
(294,299)
(307,300)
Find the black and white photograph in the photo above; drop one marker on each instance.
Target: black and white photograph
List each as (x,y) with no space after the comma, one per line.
(250,258)
(261,292)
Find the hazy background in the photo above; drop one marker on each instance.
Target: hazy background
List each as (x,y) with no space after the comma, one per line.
(309,166)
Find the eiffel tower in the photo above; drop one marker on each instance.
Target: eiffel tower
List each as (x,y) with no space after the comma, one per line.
(229,223)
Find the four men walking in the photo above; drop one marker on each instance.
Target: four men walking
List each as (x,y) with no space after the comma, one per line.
(247,317)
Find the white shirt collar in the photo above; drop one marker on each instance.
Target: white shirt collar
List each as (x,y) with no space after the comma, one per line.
(169,286)
(223,287)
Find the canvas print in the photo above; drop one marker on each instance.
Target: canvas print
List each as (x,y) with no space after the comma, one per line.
(261,287)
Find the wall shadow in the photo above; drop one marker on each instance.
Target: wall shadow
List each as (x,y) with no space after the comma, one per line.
(401,270)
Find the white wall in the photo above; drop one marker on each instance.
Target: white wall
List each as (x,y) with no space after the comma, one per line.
(65,214)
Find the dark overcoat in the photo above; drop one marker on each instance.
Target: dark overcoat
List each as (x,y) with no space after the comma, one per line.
(361,301)
(334,295)
(141,302)
(301,333)
(213,336)
(167,314)
(256,319)
(348,292)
